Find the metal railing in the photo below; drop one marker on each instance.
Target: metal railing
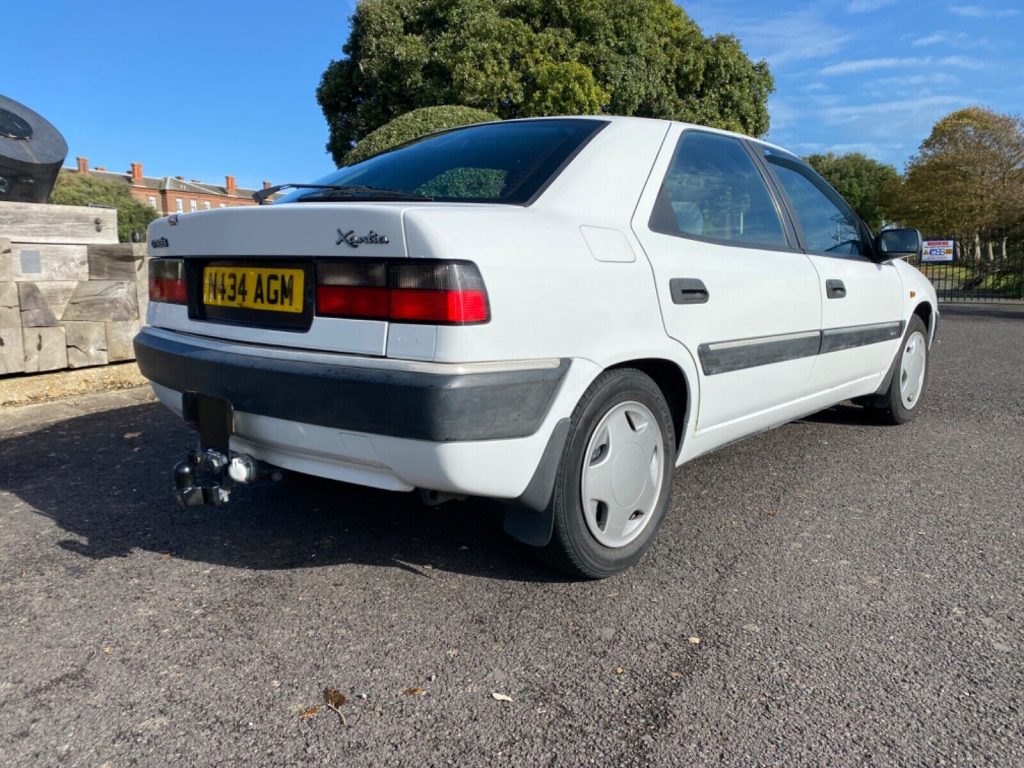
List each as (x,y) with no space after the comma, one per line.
(970,278)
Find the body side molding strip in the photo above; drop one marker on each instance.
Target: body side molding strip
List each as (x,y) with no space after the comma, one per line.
(835,339)
(726,356)
(738,354)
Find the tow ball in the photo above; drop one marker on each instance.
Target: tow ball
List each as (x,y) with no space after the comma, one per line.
(207,477)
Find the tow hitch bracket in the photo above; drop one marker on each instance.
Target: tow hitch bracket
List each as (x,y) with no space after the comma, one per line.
(207,476)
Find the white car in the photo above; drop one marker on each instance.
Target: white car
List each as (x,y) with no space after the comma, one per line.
(554,312)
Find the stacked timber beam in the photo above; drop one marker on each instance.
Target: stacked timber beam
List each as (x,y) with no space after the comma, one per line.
(70,295)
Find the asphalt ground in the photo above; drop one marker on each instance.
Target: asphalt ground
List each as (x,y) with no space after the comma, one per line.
(829,593)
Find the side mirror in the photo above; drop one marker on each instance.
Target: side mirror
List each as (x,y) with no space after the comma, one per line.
(897,244)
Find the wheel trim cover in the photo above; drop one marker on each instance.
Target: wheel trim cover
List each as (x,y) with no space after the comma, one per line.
(912,369)
(623,473)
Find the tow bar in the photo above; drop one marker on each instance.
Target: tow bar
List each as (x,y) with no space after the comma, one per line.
(208,476)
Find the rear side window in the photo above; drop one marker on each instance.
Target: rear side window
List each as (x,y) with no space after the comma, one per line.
(714,191)
(828,226)
(508,162)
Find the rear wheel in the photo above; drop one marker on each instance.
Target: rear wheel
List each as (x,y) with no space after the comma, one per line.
(900,403)
(614,480)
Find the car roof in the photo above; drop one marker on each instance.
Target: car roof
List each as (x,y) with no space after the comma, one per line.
(625,120)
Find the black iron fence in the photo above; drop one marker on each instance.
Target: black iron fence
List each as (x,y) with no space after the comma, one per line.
(974,276)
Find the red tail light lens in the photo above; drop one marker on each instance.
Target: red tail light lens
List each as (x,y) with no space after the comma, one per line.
(433,292)
(167,281)
(353,289)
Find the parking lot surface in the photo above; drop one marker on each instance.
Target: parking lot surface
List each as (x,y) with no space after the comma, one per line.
(829,593)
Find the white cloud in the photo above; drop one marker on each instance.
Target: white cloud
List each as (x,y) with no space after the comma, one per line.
(779,38)
(857,66)
(899,106)
(866,6)
(980,12)
(869,148)
(935,78)
(938,37)
(963,62)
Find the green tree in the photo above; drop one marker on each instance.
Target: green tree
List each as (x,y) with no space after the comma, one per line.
(967,179)
(522,58)
(863,182)
(82,189)
(413,124)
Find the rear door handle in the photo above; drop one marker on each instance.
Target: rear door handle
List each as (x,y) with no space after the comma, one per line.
(835,289)
(688,290)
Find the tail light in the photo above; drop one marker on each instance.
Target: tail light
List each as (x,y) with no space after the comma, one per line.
(167,281)
(434,292)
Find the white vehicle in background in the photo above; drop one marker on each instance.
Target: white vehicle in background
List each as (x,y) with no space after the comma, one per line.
(552,312)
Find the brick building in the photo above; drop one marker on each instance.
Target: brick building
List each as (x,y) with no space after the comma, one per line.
(173,194)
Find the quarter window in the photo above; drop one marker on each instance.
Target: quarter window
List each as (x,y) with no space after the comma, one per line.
(714,191)
(827,226)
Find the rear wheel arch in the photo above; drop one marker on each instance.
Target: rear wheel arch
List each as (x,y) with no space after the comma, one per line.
(529,518)
(674,385)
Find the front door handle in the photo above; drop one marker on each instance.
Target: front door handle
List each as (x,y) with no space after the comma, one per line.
(835,289)
(688,290)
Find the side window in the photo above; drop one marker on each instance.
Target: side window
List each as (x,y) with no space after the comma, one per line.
(714,191)
(827,226)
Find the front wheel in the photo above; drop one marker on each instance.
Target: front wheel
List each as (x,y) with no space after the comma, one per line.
(614,479)
(899,404)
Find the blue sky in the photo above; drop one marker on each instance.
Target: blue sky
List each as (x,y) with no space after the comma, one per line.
(228,87)
(873,76)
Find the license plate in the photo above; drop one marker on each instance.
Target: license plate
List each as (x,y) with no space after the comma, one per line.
(270,289)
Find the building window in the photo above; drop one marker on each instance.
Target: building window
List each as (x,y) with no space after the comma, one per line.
(206,205)
(192,205)
(152,201)
(179,205)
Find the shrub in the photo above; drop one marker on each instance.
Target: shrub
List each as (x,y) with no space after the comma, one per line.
(412,125)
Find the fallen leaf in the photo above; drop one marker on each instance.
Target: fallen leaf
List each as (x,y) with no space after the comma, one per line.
(415,692)
(166,556)
(334,698)
(675,674)
(619,670)
(501,697)
(107,649)
(693,640)
(308,712)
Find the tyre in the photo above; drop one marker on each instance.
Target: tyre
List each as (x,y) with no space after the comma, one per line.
(614,479)
(901,402)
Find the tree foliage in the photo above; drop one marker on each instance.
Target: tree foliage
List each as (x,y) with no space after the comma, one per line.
(414,124)
(522,58)
(967,178)
(82,189)
(866,184)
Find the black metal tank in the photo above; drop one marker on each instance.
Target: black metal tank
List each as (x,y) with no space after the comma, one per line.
(31,154)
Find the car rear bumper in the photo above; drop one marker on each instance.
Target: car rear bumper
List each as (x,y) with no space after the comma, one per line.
(437,405)
(493,449)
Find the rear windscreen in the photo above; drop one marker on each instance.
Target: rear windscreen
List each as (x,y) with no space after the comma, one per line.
(508,162)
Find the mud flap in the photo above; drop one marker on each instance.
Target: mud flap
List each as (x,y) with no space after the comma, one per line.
(530,518)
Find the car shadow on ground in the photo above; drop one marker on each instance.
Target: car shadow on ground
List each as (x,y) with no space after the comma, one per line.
(845,413)
(106,479)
